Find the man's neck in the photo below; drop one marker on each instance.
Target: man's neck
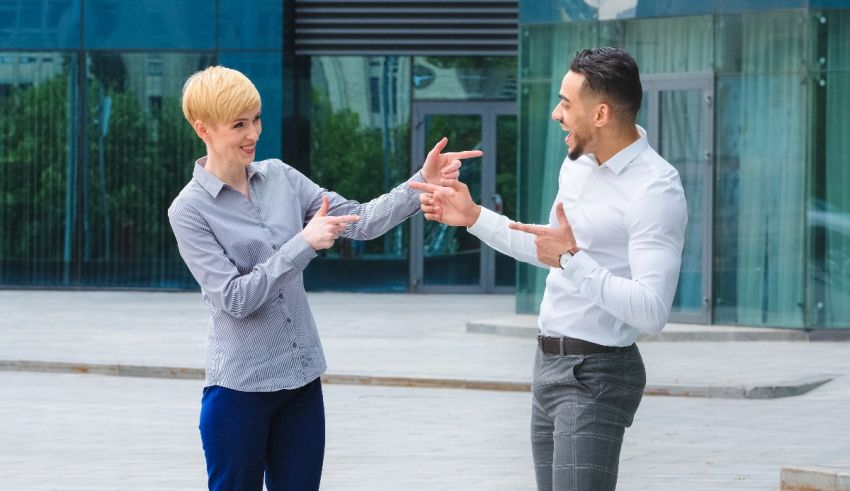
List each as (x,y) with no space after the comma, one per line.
(615,142)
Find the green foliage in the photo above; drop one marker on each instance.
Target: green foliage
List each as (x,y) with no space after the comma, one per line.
(146,159)
(345,157)
(355,160)
(483,64)
(33,159)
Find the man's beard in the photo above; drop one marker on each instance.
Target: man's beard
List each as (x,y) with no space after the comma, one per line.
(578,149)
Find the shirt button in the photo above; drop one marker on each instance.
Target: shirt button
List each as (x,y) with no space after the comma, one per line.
(280,296)
(294,345)
(288,319)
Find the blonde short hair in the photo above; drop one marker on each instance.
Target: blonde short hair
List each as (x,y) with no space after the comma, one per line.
(217,95)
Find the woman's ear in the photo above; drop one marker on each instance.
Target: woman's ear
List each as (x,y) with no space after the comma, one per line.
(201,130)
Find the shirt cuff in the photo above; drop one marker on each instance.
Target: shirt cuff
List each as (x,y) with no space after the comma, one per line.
(299,251)
(487,223)
(418,177)
(580,266)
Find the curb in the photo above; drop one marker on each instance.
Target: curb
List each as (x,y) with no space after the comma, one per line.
(705,391)
(525,326)
(815,478)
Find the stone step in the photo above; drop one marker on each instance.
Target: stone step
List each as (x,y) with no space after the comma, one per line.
(525,326)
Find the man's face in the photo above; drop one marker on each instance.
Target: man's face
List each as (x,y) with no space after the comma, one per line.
(571,112)
(234,142)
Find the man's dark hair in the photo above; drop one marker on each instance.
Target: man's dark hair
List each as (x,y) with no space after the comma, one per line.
(612,74)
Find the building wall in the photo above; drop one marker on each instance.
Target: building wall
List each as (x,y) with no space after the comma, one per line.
(780,196)
(93,145)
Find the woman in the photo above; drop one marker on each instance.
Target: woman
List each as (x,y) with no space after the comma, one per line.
(247,230)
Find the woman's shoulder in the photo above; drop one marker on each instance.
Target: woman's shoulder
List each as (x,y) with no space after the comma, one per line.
(277,170)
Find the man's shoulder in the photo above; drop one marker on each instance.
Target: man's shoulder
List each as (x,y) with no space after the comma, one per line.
(655,169)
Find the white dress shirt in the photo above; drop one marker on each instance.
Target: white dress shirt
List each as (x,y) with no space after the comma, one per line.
(629,217)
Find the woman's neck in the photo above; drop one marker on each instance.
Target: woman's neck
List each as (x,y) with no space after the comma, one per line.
(234,175)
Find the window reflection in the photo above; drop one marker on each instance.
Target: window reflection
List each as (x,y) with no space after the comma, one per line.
(360,148)
(139,155)
(36,159)
(464,78)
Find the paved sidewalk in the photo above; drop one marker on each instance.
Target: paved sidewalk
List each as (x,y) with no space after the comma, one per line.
(89,432)
(95,433)
(377,335)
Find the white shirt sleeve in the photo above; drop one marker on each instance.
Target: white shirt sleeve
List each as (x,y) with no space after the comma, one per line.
(492,228)
(656,222)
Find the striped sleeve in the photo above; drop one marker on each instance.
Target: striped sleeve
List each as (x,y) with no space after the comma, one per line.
(238,295)
(377,216)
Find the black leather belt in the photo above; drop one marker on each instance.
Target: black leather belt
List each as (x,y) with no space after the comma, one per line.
(573,346)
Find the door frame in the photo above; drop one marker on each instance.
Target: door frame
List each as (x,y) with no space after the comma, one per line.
(488,110)
(654,84)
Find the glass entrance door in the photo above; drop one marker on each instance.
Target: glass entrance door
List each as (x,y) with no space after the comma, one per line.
(678,117)
(447,258)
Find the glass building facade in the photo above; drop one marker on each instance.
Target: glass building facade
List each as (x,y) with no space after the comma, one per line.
(749,100)
(93,145)
(360,114)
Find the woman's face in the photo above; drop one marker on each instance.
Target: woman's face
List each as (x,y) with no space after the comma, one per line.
(235,142)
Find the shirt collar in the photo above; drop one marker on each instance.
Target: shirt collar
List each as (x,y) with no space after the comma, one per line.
(625,156)
(212,184)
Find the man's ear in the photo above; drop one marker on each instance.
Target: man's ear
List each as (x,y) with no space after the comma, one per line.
(603,114)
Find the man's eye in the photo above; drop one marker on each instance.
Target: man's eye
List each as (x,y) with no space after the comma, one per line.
(237,125)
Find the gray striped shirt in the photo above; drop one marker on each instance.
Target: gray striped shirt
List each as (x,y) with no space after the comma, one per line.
(248,257)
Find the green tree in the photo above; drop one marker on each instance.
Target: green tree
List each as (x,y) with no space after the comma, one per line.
(33,160)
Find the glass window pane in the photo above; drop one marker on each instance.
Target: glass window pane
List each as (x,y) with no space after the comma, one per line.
(36,157)
(681,127)
(763,42)
(265,69)
(464,78)
(176,24)
(829,208)
(140,154)
(759,234)
(452,256)
(360,148)
(250,24)
(678,44)
(543,11)
(53,24)
(506,189)
(546,49)
(545,52)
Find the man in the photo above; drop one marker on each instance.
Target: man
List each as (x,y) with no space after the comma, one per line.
(613,246)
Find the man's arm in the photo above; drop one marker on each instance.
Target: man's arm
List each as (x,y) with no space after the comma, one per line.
(452,204)
(656,222)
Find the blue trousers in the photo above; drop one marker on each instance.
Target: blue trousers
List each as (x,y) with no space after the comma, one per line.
(248,434)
